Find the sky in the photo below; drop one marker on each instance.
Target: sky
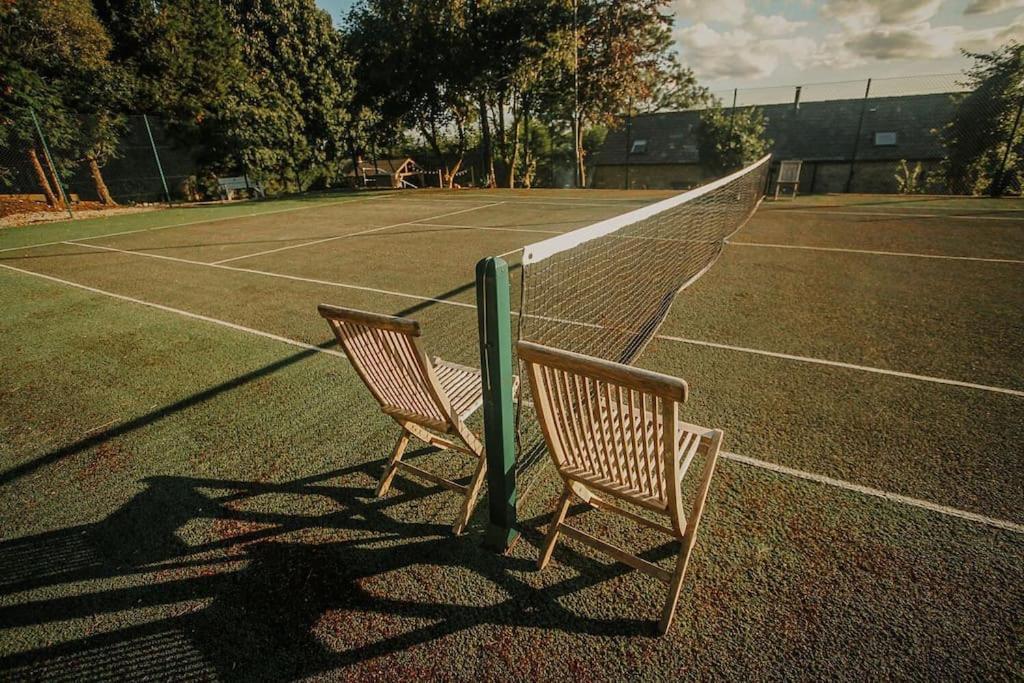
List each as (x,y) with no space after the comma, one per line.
(755,43)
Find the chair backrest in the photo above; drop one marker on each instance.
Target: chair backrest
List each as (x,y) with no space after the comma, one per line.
(385,352)
(789,171)
(605,423)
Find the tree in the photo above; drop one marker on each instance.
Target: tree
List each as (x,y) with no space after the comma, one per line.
(55,58)
(296,123)
(983,138)
(729,140)
(423,78)
(613,52)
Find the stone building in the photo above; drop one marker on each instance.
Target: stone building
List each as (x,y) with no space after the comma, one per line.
(851,145)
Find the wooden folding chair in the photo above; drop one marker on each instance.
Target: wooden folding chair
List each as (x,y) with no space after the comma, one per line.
(605,427)
(429,400)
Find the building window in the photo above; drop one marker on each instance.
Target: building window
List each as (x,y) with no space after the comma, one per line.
(639,147)
(885,139)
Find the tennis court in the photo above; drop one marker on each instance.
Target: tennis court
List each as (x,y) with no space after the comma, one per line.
(188,462)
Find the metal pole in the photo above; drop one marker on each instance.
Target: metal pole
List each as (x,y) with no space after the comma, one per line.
(997,185)
(49,160)
(732,115)
(575,93)
(629,131)
(159,167)
(495,326)
(856,140)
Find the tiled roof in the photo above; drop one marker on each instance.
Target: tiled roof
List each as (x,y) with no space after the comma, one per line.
(814,131)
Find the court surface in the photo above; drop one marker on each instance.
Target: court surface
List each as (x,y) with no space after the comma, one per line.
(187,464)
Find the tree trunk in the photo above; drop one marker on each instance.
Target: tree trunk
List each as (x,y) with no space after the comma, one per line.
(581,166)
(515,148)
(55,179)
(454,172)
(44,184)
(488,149)
(101,187)
(527,153)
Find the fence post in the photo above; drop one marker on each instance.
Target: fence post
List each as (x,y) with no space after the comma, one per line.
(495,325)
(629,133)
(732,117)
(999,181)
(159,166)
(856,140)
(49,161)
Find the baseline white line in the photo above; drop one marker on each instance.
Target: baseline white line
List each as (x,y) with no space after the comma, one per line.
(353,234)
(848,366)
(753,462)
(902,214)
(178,311)
(877,493)
(200,222)
(874,252)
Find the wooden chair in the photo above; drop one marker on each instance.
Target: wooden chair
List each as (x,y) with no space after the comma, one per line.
(429,400)
(605,427)
(789,174)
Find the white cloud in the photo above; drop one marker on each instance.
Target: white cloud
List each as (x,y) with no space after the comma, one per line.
(741,52)
(774,25)
(991,6)
(701,11)
(924,41)
(865,14)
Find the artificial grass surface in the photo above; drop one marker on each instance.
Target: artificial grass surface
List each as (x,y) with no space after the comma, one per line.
(179,216)
(233,535)
(182,499)
(936,235)
(959,320)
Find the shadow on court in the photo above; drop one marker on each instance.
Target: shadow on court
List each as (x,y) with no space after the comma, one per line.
(256,592)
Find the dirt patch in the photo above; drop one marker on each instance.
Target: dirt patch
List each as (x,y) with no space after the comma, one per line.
(18,212)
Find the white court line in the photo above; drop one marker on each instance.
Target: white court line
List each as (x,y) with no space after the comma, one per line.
(848,366)
(487,227)
(681,340)
(353,234)
(873,252)
(876,493)
(515,201)
(827,212)
(283,276)
(177,311)
(200,222)
(753,462)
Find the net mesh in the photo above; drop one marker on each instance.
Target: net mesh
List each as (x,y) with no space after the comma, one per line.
(604,290)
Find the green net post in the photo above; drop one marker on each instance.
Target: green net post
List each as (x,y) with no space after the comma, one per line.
(495,322)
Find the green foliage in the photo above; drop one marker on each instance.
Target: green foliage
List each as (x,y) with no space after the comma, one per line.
(985,124)
(54,59)
(729,139)
(909,179)
(417,69)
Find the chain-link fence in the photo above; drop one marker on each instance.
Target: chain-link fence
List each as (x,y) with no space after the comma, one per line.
(931,134)
(85,163)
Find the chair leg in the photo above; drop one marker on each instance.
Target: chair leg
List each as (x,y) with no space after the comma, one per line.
(556,521)
(472,491)
(675,586)
(396,457)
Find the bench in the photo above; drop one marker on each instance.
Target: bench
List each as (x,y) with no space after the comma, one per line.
(228,186)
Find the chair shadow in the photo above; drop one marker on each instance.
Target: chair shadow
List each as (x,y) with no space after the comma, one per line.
(262,591)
